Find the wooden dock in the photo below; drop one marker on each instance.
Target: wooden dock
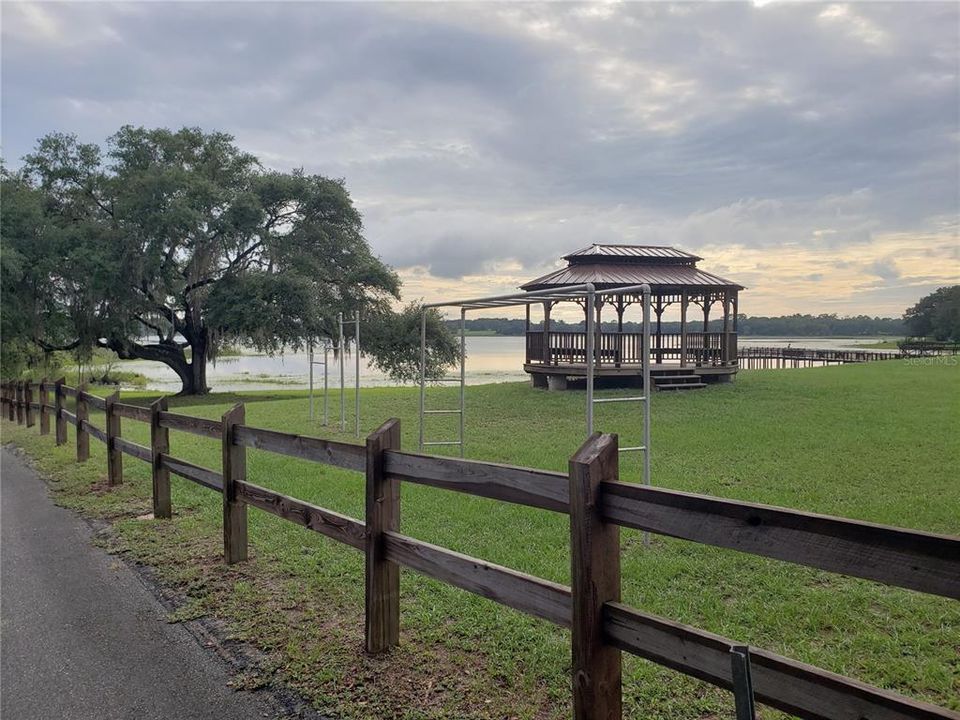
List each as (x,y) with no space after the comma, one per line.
(764,358)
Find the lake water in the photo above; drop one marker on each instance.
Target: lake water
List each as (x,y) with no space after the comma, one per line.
(489,359)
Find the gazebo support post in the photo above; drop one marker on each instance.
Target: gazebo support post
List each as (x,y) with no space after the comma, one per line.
(598,341)
(735,339)
(526,333)
(725,350)
(620,307)
(705,352)
(546,332)
(659,310)
(684,301)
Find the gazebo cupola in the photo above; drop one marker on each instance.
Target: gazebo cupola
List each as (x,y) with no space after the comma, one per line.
(681,359)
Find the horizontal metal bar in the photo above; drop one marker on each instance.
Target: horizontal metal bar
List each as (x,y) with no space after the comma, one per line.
(618,399)
(523,298)
(442,412)
(638,448)
(624,289)
(445,442)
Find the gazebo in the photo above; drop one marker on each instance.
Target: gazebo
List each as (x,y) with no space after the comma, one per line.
(679,360)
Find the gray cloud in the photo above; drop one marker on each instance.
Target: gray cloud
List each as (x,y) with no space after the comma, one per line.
(474,136)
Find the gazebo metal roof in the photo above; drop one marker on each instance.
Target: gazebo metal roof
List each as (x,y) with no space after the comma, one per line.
(629,253)
(607,266)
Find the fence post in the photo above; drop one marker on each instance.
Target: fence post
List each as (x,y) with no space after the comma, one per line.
(59,422)
(114,456)
(595,580)
(159,444)
(44,396)
(11,402)
(28,403)
(83,437)
(382,605)
(234,468)
(19,392)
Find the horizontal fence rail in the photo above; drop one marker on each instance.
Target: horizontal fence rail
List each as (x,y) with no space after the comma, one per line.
(338,454)
(194,425)
(200,475)
(326,522)
(132,412)
(601,625)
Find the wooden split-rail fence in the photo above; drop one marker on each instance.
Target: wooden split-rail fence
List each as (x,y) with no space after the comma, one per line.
(598,504)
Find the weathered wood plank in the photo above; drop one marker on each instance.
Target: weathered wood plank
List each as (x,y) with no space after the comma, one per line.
(131,448)
(799,689)
(906,558)
(234,471)
(595,580)
(42,395)
(132,412)
(69,417)
(68,391)
(524,486)
(94,401)
(344,455)
(91,429)
(200,475)
(382,591)
(326,522)
(83,437)
(59,421)
(194,425)
(114,455)
(28,403)
(532,595)
(159,476)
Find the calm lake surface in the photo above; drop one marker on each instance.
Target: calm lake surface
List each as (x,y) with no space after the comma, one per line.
(489,359)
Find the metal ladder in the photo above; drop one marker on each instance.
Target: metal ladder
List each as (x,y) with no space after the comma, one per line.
(338,350)
(313,362)
(643,399)
(459,442)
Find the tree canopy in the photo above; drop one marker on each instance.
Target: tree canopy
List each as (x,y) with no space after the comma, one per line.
(937,315)
(167,241)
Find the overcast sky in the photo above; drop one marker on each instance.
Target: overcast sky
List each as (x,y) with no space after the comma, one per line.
(808,151)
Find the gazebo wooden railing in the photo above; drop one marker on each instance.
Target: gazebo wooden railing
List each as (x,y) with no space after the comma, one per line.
(616,349)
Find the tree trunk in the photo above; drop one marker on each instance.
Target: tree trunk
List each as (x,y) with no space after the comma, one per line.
(192,374)
(198,369)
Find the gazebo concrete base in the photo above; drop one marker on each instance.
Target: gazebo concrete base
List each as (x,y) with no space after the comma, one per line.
(573,376)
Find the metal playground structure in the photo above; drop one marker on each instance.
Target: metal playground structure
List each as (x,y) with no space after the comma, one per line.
(590,298)
(339,351)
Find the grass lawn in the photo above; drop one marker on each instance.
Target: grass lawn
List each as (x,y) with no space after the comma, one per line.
(876,442)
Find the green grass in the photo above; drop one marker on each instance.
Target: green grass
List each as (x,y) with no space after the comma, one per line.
(876,442)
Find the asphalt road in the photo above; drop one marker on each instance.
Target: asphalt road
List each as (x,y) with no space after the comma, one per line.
(82,637)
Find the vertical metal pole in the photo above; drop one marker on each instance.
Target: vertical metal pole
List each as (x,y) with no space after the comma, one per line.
(463,373)
(646,386)
(356,379)
(591,299)
(423,368)
(646,395)
(343,418)
(742,682)
(310,360)
(326,382)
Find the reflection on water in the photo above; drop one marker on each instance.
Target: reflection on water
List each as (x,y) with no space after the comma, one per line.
(489,359)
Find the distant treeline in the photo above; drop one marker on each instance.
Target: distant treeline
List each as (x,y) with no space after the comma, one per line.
(792,325)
